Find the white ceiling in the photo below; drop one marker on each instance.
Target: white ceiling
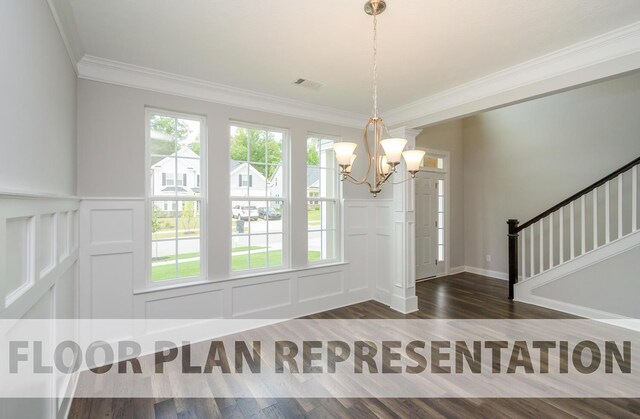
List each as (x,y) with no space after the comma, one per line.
(424,46)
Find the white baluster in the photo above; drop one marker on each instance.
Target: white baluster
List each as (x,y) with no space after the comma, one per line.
(572,230)
(607,213)
(561,237)
(595,218)
(533,268)
(524,254)
(620,206)
(583,224)
(541,245)
(634,199)
(551,241)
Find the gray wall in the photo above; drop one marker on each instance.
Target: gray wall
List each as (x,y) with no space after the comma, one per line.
(611,285)
(448,137)
(523,159)
(37,103)
(111,132)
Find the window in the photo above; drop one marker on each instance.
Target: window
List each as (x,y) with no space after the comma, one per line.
(441,220)
(433,162)
(245,180)
(174,146)
(323,193)
(258,198)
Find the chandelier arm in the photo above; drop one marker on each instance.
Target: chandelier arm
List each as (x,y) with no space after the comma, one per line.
(355,181)
(385,178)
(365,179)
(401,182)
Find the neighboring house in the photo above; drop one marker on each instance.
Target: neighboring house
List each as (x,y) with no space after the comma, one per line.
(186,182)
(247,181)
(313,182)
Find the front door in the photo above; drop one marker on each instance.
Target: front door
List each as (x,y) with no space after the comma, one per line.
(426,185)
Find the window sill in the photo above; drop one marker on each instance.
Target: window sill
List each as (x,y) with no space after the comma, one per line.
(202,281)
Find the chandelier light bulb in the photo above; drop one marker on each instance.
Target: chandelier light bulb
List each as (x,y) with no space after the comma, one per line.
(385,168)
(348,168)
(413,160)
(344,151)
(393,149)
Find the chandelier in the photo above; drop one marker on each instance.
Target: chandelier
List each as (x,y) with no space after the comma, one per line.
(383,156)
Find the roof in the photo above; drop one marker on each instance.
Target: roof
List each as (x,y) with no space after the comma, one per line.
(313,176)
(174,189)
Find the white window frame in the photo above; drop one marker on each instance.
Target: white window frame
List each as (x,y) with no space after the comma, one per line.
(149,199)
(317,200)
(286,204)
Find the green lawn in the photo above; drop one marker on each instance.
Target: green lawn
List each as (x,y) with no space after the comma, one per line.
(238,262)
(313,216)
(173,257)
(185,270)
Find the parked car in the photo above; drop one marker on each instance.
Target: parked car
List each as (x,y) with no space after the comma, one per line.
(244,212)
(269,213)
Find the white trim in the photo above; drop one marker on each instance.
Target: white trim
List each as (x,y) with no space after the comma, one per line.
(606,55)
(582,311)
(16,194)
(457,270)
(68,32)
(123,74)
(446,155)
(118,198)
(149,198)
(285,164)
(485,272)
(252,275)
(612,53)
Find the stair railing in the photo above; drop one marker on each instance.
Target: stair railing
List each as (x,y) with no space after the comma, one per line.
(532,253)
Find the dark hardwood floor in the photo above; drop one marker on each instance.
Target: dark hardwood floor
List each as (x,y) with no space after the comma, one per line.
(462,296)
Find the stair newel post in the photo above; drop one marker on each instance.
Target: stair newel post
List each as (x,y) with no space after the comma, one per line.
(513,255)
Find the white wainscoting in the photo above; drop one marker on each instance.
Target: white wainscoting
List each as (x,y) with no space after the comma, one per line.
(113,263)
(39,279)
(369,245)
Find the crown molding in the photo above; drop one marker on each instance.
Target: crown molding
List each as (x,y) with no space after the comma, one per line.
(63,17)
(610,54)
(613,53)
(115,72)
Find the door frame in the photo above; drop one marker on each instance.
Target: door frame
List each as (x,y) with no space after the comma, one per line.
(446,155)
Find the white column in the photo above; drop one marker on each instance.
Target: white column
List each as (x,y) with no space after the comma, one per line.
(403,283)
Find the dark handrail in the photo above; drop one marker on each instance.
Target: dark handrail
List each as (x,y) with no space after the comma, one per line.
(579,194)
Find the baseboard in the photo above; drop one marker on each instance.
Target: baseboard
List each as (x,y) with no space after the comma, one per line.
(457,270)
(70,391)
(485,272)
(582,311)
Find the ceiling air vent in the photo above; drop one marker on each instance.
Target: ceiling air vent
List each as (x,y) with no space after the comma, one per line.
(309,84)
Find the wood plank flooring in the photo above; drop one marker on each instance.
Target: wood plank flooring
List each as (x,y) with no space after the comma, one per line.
(462,296)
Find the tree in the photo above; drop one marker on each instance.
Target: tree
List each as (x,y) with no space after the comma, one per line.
(313,158)
(155,222)
(187,217)
(258,147)
(175,130)
(170,126)
(195,147)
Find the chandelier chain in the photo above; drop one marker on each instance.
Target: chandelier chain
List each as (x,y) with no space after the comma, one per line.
(375,64)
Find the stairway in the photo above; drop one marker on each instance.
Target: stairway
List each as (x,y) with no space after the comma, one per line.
(582,256)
